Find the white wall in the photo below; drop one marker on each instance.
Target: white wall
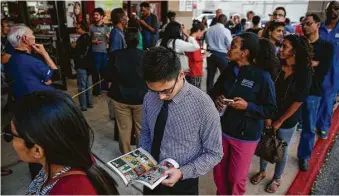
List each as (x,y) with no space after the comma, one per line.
(294,8)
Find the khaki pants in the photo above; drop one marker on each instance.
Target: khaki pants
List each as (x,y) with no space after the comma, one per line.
(125,115)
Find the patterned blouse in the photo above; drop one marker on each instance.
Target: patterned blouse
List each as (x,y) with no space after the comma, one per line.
(36,187)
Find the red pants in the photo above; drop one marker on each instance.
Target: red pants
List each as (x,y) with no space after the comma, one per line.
(230,174)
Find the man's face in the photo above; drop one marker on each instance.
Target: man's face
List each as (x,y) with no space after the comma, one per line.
(218,12)
(279,15)
(97,17)
(124,21)
(4,28)
(309,26)
(145,11)
(29,38)
(249,16)
(167,89)
(332,11)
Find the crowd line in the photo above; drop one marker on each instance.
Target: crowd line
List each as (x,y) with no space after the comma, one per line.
(274,79)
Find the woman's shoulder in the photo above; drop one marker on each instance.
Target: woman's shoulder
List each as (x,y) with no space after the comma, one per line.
(73,185)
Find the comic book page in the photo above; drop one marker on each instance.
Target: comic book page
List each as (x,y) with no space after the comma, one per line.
(130,166)
(154,177)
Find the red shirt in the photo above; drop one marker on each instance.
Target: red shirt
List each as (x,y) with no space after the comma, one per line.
(73,185)
(195,62)
(299,30)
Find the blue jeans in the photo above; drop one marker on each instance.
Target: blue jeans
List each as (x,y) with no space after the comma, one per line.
(325,111)
(286,135)
(84,82)
(309,116)
(100,60)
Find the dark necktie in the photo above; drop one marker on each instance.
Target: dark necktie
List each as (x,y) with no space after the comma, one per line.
(159,129)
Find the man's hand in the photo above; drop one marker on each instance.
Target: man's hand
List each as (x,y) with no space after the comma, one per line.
(314,63)
(96,41)
(239,103)
(174,175)
(142,22)
(49,82)
(39,48)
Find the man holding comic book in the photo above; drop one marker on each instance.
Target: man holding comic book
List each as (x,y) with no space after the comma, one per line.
(180,122)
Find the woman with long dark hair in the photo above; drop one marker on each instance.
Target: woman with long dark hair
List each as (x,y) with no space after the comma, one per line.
(246,92)
(292,85)
(48,128)
(267,60)
(174,32)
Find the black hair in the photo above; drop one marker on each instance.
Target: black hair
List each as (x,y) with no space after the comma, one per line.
(117,15)
(243,21)
(171,14)
(83,25)
(303,51)
(256,20)
(145,4)
(196,26)
(301,18)
(250,12)
(160,64)
(315,17)
(271,26)
(287,21)
(172,31)
(222,19)
(52,120)
(250,42)
(267,59)
(99,10)
(283,9)
(132,37)
(134,23)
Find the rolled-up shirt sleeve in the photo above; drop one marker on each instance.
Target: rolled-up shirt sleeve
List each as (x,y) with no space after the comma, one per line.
(211,140)
(43,71)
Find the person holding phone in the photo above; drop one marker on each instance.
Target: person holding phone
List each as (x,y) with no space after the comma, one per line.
(252,95)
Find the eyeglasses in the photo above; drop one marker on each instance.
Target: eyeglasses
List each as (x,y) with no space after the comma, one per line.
(307,24)
(166,91)
(280,15)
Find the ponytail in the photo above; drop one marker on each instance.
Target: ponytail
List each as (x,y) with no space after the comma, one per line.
(103,183)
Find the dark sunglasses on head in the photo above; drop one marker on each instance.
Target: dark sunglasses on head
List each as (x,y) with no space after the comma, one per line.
(8,135)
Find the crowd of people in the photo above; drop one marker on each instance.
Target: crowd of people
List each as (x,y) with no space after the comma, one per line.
(272,78)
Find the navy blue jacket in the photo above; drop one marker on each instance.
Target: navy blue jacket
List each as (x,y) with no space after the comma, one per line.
(256,87)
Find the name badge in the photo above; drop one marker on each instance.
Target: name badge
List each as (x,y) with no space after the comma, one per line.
(336,35)
(247,83)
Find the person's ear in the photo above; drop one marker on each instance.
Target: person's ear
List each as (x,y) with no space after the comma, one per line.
(38,152)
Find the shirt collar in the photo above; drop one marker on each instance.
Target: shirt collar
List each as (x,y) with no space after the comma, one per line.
(324,26)
(182,93)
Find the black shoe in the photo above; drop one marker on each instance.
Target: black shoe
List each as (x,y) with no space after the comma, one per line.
(303,165)
(83,109)
(90,106)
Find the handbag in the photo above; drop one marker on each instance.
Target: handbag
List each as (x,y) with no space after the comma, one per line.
(183,58)
(270,147)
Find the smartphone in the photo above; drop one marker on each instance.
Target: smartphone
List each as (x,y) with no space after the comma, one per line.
(228,100)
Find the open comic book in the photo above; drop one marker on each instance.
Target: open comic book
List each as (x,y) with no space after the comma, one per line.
(140,166)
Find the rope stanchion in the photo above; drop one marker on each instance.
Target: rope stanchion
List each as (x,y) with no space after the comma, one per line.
(74,96)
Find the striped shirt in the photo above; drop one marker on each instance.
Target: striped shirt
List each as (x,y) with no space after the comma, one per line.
(192,134)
